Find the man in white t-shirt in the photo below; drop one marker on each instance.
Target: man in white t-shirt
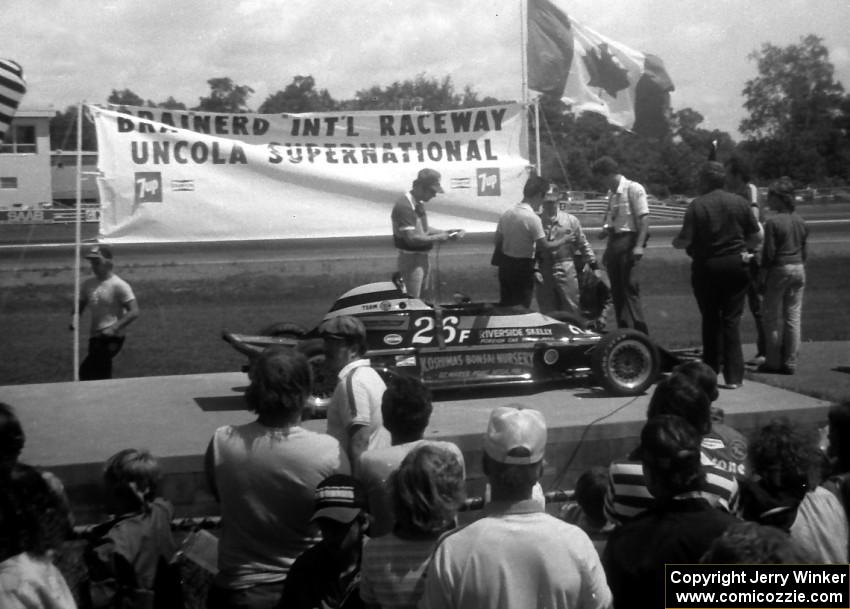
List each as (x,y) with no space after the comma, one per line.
(519,236)
(354,413)
(626,227)
(113,307)
(515,555)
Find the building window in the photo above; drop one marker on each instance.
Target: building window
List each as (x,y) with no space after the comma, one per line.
(8,183)
(19,140)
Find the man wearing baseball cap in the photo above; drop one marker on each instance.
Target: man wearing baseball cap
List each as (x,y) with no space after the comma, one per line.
(517,555)
(413,236)
(113,307)
(328,574)
(354,412)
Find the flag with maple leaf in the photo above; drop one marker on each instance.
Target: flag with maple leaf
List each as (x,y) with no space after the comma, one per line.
(593,73)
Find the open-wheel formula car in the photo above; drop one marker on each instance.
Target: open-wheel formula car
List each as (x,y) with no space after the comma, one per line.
(473,344)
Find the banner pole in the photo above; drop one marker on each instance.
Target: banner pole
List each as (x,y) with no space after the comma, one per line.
(523,35)
(537,134)
(77,239)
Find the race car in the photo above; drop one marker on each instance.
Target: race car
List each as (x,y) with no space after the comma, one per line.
(466,344)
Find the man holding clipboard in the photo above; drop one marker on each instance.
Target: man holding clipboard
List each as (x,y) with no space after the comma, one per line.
(413,236)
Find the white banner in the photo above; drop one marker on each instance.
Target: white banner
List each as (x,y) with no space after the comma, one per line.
(171,175)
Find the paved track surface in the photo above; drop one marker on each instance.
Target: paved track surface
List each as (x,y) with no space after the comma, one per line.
(352,253)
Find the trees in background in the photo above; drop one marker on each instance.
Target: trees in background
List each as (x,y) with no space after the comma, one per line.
(225,96)
(798,114)
(421,93)
(569,145)
(126,97)
(63,131)
(63,127)
(300,95)
(798,123)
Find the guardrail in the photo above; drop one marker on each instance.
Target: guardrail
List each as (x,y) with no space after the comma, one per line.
(661,209)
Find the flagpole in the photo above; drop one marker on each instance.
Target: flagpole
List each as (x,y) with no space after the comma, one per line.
(523,53)
(523,36)
(77,238)
(523,24)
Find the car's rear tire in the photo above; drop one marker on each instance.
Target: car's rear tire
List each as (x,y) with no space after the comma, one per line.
(625,362)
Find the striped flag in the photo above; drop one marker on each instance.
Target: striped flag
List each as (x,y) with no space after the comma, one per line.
(592,73)
(12,89)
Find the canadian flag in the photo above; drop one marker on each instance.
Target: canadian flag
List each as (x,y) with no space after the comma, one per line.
(590,72)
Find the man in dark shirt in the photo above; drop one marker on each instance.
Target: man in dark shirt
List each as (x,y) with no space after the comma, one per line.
(738,182)
(413,236)
(717,231)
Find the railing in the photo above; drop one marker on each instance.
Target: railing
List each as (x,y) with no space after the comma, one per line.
(214,522)
(659,209)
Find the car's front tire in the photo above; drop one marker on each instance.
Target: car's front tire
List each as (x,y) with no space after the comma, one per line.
(324,382)
(625,362)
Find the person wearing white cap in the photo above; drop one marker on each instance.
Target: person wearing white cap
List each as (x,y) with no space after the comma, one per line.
(413,236)
(517,555)
(113,307)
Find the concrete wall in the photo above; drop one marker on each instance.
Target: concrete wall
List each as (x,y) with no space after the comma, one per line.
(72,428)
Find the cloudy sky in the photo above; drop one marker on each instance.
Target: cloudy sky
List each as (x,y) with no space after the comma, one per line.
(74,50)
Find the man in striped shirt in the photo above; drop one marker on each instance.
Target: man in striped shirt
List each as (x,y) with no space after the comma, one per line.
(628,495)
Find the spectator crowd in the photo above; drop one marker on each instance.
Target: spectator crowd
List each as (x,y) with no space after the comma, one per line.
(366,514)
(301,526)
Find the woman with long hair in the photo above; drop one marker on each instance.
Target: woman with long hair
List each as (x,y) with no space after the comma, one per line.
(427,491)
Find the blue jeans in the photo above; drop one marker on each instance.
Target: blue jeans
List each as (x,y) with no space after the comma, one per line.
(783,306)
